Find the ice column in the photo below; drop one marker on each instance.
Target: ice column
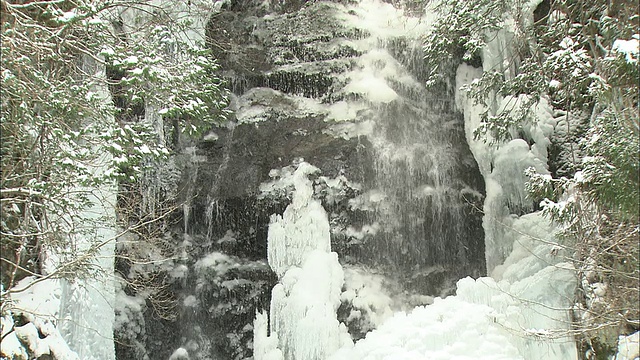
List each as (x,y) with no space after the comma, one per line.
(86,310)
(86,305)
(307,296)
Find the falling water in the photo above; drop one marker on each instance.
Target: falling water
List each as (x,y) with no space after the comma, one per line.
(426,185)
(425,206)
(213,195)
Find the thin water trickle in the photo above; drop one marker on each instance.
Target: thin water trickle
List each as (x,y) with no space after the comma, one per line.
(213,196)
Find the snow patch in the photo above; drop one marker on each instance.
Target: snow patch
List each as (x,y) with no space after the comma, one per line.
(374,89)
(179,354)
(39,304)
(629,48)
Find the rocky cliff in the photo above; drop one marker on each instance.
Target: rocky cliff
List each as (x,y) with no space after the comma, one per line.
(316,81)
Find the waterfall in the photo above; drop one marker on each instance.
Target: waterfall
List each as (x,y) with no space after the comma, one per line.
(522,312)
(420,225)
(415,205)
(214,193)
(424,176)
(340,85)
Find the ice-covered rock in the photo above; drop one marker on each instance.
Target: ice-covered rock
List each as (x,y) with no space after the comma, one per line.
(629,347)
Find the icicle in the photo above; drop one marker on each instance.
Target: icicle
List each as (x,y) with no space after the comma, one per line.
(265,347)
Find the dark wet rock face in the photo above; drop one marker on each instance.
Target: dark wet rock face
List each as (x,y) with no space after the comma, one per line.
(407,184)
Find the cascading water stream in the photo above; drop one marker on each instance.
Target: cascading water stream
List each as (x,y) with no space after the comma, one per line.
(425,210)
(421,227)
(426,182)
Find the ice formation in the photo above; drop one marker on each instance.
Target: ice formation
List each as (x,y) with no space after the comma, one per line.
(86,310)
(303,323)
(522,316)
(301,229)
(629,347)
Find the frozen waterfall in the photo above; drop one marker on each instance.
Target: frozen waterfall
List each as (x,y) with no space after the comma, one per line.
(303,323)
(86,306)
(74,319)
